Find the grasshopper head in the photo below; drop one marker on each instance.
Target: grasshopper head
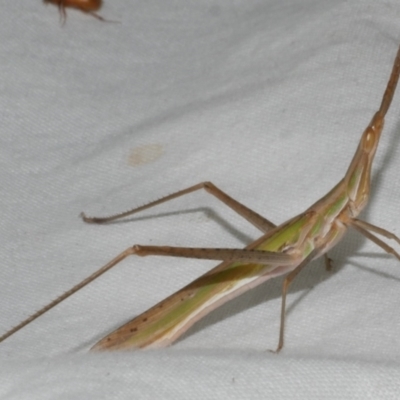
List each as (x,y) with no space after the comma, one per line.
(358,175)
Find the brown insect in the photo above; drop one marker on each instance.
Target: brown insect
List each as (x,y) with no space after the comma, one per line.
(87,6)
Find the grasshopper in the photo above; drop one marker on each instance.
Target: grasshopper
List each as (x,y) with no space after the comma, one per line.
(283,249)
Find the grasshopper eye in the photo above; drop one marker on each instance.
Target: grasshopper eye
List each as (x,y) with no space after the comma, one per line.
(371,136)
(370,140)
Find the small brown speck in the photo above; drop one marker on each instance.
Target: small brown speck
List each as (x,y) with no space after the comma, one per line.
(145,154)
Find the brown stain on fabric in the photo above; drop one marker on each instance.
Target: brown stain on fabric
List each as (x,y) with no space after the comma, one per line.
(145,154)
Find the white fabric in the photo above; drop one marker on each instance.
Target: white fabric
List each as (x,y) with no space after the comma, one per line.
(266,99)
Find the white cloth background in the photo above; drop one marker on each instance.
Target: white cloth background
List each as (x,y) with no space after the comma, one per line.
(267,99)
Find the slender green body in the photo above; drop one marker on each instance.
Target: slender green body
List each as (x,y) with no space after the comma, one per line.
(167,320)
